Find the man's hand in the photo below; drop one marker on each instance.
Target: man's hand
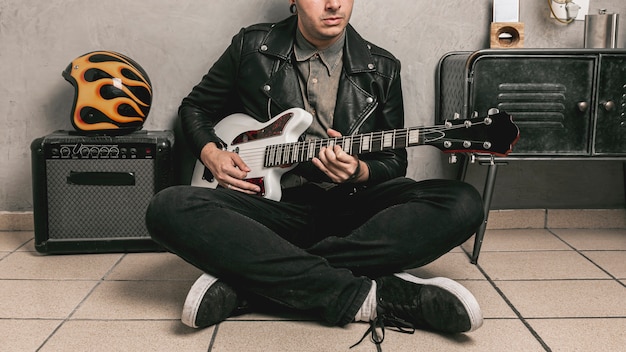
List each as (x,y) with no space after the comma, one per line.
(228,169)
(340,166)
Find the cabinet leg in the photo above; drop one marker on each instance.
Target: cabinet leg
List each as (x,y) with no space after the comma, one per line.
(624,176)
(487,195)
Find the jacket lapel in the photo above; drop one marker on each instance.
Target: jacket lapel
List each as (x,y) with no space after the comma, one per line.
(283,87)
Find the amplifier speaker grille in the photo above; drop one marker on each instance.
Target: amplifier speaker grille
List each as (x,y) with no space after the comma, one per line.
(98,211)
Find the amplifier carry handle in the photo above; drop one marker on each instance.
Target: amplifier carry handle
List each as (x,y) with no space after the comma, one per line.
(101,178)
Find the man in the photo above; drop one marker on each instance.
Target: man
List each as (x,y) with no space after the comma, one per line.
(347,225)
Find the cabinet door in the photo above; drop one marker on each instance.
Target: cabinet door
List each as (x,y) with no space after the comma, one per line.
(548,97)
(610,135)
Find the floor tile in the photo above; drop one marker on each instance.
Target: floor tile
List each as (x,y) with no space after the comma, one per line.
(10,241)
(594,239)
(566,298)
(614,262)
(36,299)
(25,335)
(27,265)
(135,300)
(604,335)
(518,240)
(490,301)
(517,219)
(153,266)
(279,336)
(132,302)
(495,335)
(539,265)
(586,218)
(29,246)
(110,336)
(16,221)
(454,266)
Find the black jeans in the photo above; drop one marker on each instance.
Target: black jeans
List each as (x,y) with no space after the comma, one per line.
(315,250)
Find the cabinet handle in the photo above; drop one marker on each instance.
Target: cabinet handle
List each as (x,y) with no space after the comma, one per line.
(583,106)
(608,105)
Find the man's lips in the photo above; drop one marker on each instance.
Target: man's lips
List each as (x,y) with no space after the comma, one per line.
(335,20)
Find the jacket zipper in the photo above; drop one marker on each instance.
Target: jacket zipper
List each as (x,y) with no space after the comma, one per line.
(356,128)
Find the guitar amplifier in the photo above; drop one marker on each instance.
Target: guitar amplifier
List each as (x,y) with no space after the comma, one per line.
(90,193)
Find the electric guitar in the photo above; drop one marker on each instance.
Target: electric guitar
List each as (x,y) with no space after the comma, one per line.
(272,148)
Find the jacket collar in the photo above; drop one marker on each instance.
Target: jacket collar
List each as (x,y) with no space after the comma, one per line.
(279,42)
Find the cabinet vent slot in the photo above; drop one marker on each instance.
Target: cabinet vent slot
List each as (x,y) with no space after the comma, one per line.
(537,105)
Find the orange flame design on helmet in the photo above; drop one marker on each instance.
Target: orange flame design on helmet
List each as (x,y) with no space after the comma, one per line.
(114,78)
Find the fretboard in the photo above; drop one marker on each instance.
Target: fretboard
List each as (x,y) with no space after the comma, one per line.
(290,153)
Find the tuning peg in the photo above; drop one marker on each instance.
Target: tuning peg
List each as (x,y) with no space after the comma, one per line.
(493,111)
(475,114)
(472,158)
(456,116)
(452,159)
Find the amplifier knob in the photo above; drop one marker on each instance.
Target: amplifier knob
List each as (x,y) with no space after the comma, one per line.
(65,152)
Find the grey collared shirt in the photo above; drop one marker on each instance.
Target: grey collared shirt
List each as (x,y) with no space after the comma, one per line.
(319,74)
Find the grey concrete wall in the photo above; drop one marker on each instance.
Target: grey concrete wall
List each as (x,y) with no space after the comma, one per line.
(176,41)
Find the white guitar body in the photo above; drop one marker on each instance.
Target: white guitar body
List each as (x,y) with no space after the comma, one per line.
(240,132)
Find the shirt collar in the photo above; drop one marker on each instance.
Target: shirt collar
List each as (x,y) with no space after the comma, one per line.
(330,56)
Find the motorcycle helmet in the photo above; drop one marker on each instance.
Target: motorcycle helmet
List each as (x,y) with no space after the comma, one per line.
(113,94)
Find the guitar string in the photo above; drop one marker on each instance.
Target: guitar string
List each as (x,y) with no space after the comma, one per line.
(284,155)
(254,155)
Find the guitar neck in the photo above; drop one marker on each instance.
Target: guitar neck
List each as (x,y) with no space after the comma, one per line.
(289,153)
(495,134)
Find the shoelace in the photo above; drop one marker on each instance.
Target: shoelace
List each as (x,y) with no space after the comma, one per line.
(398,324)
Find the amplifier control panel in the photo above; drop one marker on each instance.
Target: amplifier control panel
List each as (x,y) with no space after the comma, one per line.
(99,151)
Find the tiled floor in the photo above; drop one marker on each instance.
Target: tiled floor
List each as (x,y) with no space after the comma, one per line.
(540,289)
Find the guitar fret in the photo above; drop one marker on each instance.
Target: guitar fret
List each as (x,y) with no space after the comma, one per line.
(414,137)
(347,145)
(279,153)
(376,144)
(400,138)
(285,156)
(387,140)
(267,151)
(296,152)
(311,150)
(365,145)
(270,155)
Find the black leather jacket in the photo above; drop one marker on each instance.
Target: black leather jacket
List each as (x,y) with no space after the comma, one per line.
(255,76)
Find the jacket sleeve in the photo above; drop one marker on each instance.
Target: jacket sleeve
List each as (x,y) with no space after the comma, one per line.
(211,99)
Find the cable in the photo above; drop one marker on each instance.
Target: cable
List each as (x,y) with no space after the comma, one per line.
(568,21)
